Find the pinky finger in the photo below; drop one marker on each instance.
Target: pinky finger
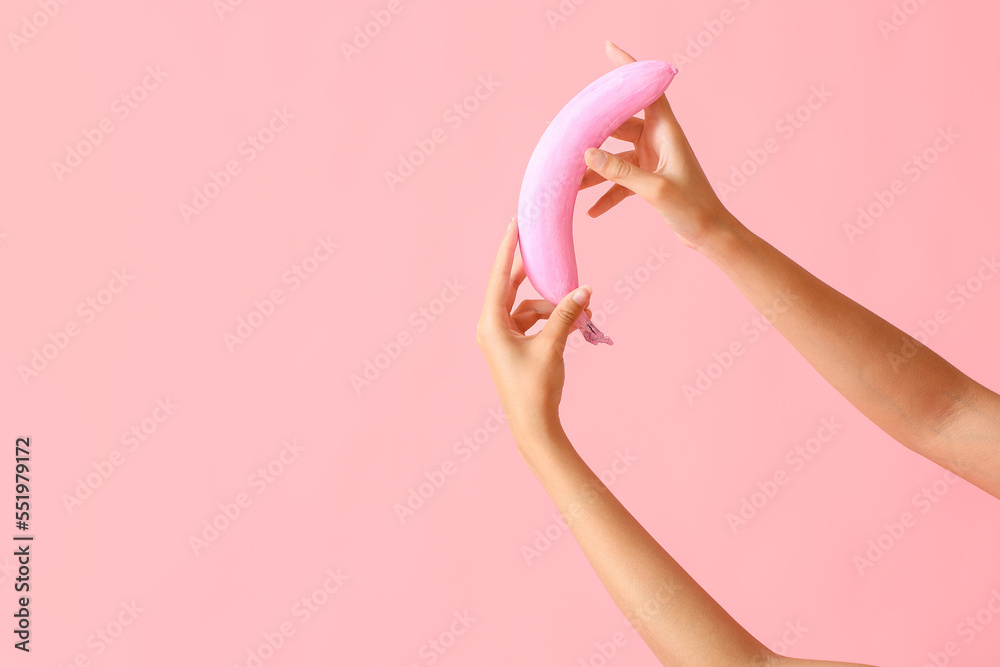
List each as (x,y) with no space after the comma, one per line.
(590,179)
(530,311)
(615,195)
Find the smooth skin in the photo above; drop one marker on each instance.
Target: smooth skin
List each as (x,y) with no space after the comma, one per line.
(676,618)
(926,403)
(906,389)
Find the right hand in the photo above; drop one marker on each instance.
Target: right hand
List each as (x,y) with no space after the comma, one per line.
(662,169)
(529,371)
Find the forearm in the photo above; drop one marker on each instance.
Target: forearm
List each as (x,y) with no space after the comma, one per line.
(676,618)
(909,391)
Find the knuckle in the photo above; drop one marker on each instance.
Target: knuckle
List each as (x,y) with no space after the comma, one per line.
(661,191)
(621,169)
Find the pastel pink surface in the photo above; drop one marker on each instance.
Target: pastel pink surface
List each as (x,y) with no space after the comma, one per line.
(556,168)
(412,263)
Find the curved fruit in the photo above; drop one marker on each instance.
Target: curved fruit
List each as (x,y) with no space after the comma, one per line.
(552,177)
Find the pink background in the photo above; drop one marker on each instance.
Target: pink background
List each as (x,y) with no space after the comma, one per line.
(329,511)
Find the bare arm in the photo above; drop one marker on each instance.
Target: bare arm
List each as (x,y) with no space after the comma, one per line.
(905,388)
(680,622)
(676,618)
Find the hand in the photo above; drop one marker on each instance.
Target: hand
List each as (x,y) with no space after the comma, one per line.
(662,169)
(528,370)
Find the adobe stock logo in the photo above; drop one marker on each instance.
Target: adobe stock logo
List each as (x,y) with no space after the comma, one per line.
(644,616)
(88,309)
(969,629)
(562,12)
(304,609)
(230,511)
(455,116)
(224,7)
(797,457)
(924,500)
(464,449)
(793,633)
(963,293)
(435,647)
(560,525)
(218,181)
(697,44)
(108,634)
(364,34)
(31,24)
(628,286)
(914,167)
(121,107)
(104,468)
(605,651)
(900,16)
(420,319)
(295,276)
(786,127)
(752,330)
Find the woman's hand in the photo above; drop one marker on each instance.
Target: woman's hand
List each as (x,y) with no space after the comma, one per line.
(662,169)
(528,370)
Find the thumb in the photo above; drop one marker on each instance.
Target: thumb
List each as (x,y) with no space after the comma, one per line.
(562,321)
(624,173)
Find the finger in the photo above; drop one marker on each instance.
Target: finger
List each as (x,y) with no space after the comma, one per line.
(659,110)
(562,321)
(530,311)
(517,273)
(499,284)
(615,195)
(517,276)
(617,55)
(661,115)
(630,130)
(592,178)
(624,173)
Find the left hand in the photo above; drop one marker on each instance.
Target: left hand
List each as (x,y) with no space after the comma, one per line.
(528,370)
(663,170)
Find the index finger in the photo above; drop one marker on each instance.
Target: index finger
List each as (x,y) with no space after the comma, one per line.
(660,109)
(496,291)
(617,54)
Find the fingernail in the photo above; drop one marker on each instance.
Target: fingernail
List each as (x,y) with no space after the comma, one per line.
(596,158)
(581,295)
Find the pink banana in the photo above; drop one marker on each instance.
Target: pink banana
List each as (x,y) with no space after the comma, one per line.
(556,168)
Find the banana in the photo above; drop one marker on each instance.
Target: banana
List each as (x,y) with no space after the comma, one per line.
(556,168)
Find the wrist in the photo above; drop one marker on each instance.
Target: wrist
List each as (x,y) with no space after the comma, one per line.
(537,438)
(727,239)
